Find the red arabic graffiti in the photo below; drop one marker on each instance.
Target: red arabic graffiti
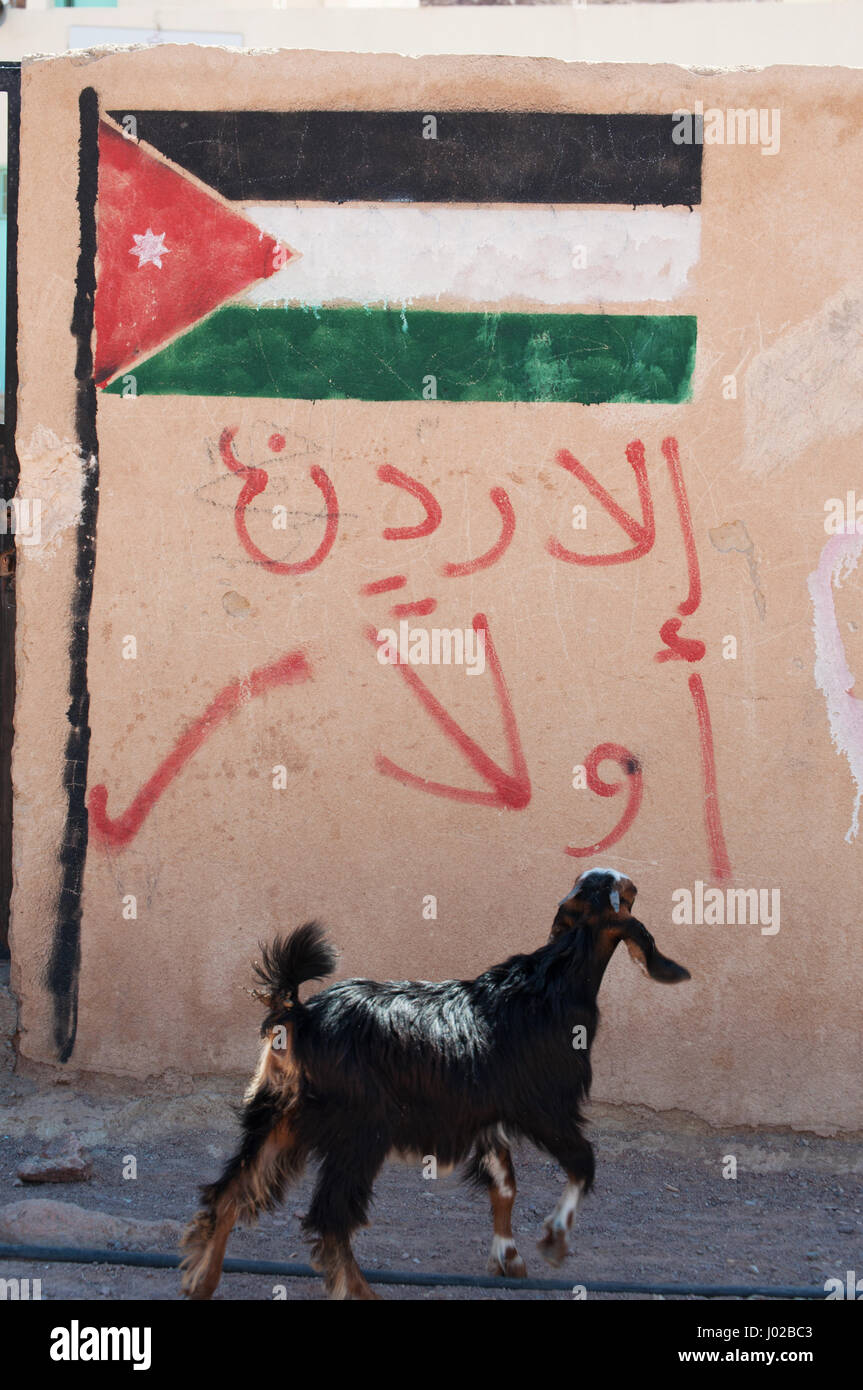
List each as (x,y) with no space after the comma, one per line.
(256,481)
(388,474)
(679,648)
(385,586)
(419,609)
(612,752)
(483,562)
(715,834)
(672,458)
(642,533)
(506,788)
(509,790)
(289,669)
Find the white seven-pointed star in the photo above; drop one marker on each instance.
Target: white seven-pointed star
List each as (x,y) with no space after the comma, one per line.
(149,248)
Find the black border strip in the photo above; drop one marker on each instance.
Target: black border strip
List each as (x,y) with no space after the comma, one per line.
(64,965)
(10,83)
(475,156)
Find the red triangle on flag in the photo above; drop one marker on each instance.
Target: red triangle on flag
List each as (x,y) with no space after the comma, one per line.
(169,252)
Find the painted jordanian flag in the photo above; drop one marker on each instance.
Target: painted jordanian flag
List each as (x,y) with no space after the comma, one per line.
(384,256)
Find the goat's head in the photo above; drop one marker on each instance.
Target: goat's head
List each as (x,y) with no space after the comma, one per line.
(601,902)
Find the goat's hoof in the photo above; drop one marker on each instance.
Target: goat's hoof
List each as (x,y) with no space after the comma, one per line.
(340,1292)
(507,1263)
(200,1291)
(197,1286)
(552,1246)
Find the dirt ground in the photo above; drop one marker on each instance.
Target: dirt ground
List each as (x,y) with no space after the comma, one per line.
(661,1210)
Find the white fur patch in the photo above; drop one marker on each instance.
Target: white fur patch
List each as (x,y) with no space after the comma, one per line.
(588,873)
(503,1249)
(499,1175)
(563,1215)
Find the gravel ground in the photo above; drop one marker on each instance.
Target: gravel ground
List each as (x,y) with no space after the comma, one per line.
(661,1210)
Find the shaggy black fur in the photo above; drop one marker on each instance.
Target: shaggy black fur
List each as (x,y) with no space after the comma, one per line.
(457,1070)
(428,1067)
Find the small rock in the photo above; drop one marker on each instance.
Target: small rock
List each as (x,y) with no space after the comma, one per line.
(42,1221)
(68,1163)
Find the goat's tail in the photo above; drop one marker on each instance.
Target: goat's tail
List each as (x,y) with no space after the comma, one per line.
(291,960)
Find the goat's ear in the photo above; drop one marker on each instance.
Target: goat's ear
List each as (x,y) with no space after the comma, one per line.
(566,918)
(570,911)
(642,947)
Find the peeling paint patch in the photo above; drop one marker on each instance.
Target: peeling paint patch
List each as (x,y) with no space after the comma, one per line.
(236,605)
(733,535)
(806,387)
(832,674)
(52,473)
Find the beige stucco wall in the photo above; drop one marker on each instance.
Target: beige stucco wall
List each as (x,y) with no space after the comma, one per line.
(769,1029)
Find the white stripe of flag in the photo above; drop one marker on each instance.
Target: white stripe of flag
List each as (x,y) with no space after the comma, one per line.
(410,253)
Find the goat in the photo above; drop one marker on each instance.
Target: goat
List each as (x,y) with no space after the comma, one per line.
(458,1069)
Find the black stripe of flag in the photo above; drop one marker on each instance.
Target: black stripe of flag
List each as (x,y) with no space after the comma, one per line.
(477,156)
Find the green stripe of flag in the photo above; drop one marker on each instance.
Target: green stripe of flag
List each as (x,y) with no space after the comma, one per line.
(389,355)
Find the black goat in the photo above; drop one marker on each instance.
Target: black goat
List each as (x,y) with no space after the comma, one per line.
(457,1070)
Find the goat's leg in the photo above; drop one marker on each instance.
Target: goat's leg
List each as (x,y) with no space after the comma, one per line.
(339,1207)
(344,1281)
(493,1169)
(252,1181)
(576,1159)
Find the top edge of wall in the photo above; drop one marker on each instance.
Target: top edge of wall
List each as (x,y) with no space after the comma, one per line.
(706,38)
